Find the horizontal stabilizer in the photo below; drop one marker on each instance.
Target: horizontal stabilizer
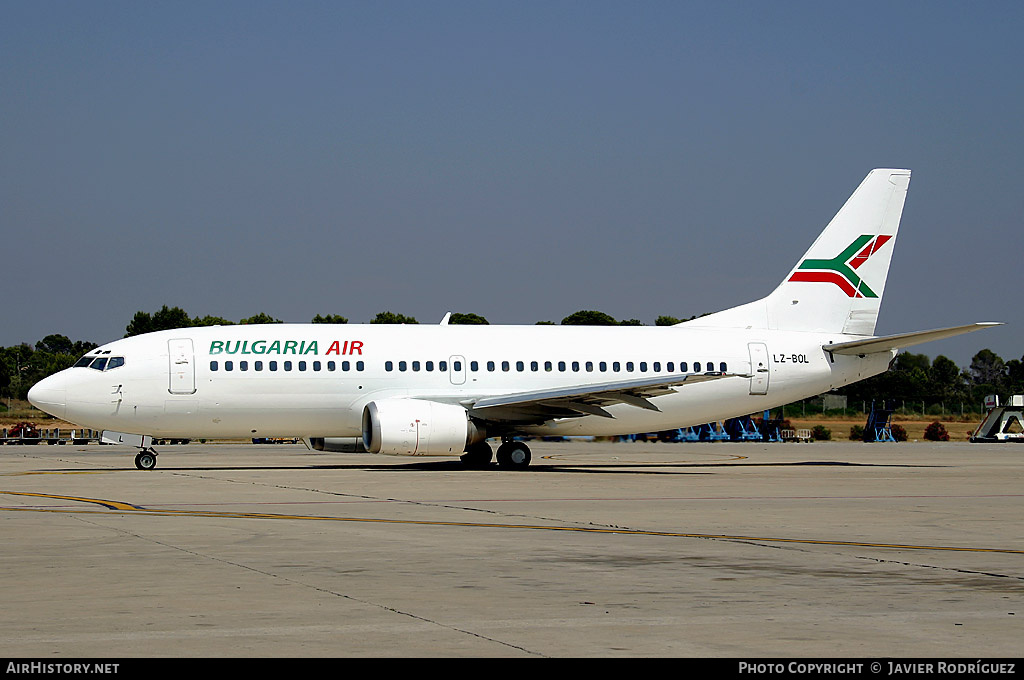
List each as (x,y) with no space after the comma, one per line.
(891,342)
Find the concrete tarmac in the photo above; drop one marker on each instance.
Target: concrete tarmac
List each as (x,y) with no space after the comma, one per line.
(599,550)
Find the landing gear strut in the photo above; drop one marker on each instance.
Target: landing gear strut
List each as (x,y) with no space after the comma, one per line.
(513,455)
(146,459)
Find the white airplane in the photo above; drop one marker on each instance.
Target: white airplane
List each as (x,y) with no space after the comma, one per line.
(445,389)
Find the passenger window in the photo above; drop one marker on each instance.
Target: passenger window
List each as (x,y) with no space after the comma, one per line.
(561,366)
(430,366)
(456,365)
(616,367)
(710,367)
(722,367)
(504,366)
(346,365)
(629,366)
(657,367)
(682,367)
(213,365)
(670,367)
(388,366)
(402,366)
(331,366)
(229,365)
(643,366)
(576,366)
(243,365)
(416,366)
(547,365)
(534,366)
(273,365)
(603,366)
(258,365)
(287,365)
(359,365)
(316,365)
(490,365)
(441,366)
(520,366)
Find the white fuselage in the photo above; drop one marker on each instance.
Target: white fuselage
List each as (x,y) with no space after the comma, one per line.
(314,380)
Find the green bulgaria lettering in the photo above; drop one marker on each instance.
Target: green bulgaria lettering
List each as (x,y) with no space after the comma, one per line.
(300,347)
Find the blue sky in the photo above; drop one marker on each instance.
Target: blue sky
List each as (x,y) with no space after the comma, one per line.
(520,160)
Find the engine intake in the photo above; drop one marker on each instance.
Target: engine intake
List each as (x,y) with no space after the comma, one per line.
(416,427)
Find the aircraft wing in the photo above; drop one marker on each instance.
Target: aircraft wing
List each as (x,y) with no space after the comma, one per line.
(579,400)
(891,342)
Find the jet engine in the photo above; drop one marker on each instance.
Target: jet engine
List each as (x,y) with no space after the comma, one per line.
(416,427)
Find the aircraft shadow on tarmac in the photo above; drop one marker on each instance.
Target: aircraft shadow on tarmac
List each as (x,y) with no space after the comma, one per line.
(618,468)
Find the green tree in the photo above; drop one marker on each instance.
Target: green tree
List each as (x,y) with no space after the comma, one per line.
(141,323)
(666,321)
(168,318)
(329,318)
(945,379)
(631,322)
(586,317)
(391,317)
(260,318)
(211,321)
(1015,376)
(56,344)
(987,368)
(467,319)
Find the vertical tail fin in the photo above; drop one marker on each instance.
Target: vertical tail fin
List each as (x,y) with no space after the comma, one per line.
(837,285)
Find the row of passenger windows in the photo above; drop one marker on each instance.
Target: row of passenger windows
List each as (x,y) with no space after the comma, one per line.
(289,365)
(457,366)
(562,366)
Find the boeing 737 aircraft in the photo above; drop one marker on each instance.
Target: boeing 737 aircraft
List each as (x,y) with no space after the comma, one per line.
(445,389)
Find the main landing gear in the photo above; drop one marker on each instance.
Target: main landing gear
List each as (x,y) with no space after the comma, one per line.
(146,459)
(512,455)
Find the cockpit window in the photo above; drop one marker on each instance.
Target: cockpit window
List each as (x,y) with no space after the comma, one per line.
(100,363)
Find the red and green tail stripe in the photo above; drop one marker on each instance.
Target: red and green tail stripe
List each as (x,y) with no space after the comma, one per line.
(840,269)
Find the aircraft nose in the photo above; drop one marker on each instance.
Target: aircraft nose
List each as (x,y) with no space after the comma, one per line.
(50,395)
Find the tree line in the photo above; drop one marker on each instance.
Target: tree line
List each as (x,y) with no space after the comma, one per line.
(912,378)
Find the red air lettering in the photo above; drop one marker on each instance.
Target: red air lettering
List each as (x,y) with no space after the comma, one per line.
(337,347)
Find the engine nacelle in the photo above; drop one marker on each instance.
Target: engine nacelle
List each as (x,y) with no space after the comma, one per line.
(416,427)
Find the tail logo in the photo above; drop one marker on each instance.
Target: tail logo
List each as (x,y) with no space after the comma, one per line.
(840,269)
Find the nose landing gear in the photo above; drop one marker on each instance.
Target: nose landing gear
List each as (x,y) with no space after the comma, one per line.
(146,459)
